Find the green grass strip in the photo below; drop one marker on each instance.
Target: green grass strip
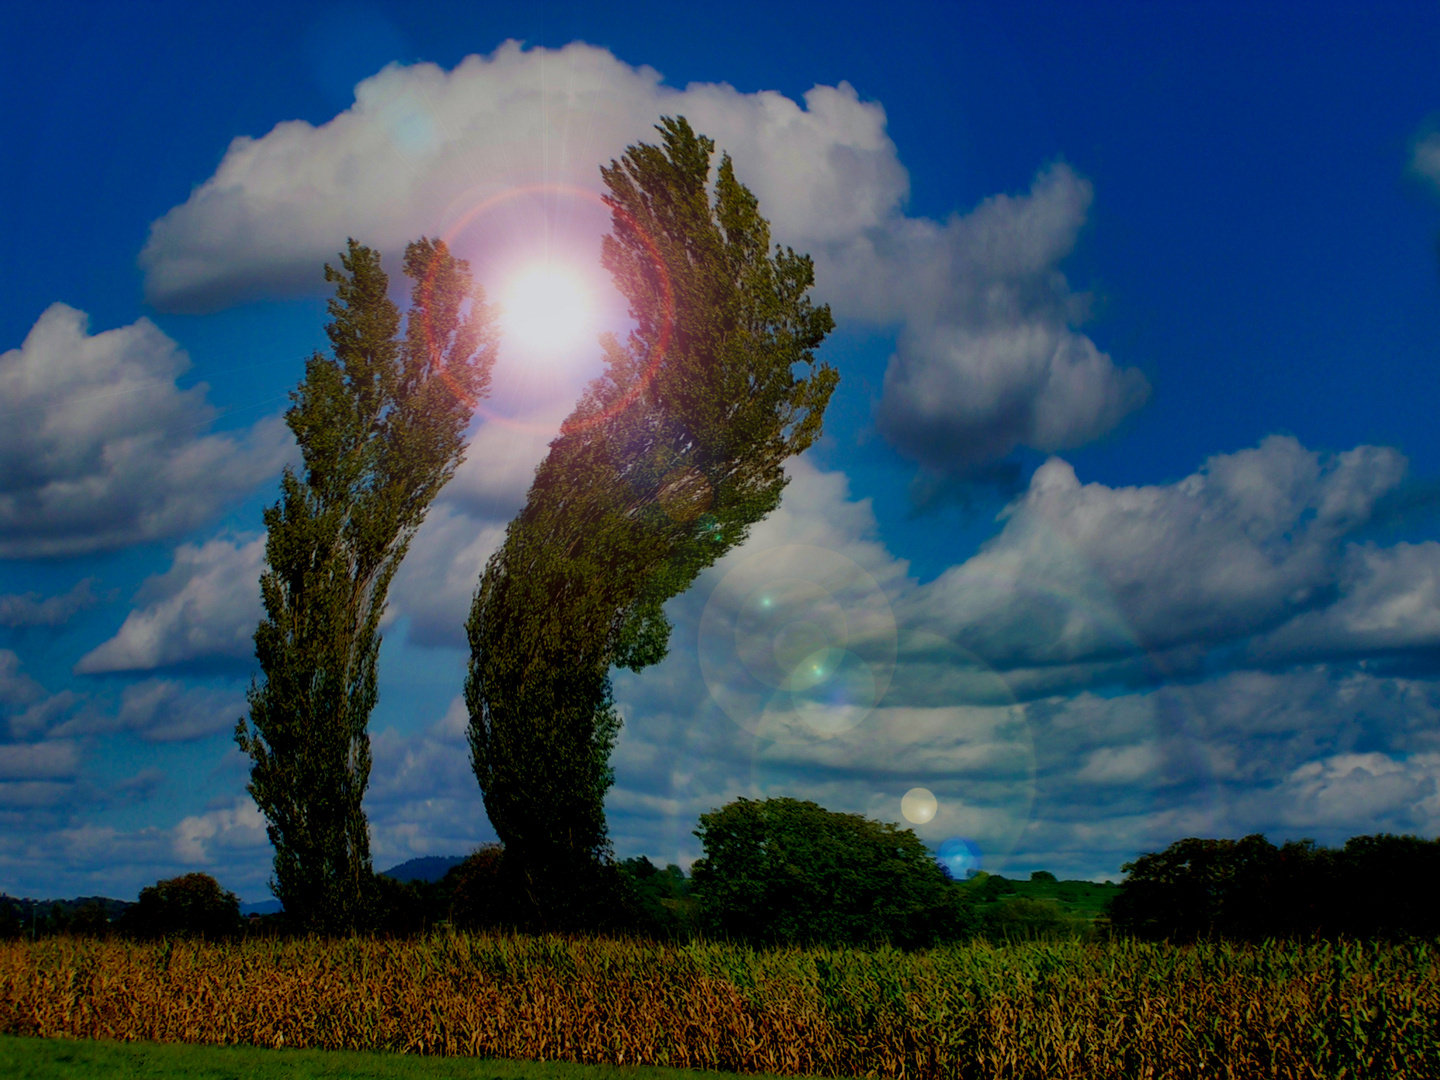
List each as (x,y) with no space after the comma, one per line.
(25,1058)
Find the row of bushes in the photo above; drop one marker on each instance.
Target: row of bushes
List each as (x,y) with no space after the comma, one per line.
(1248,890)
(192,904)
(786,872)
(775,871)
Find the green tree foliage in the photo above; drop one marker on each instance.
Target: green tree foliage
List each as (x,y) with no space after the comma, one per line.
(380,426)
(663,905)
(1031,919)
(475,891)
(190,905)
(12,920)
(1375,886)
(90,920)
(782,871)
(665,463)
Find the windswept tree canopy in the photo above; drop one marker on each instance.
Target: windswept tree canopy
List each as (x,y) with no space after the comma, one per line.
(665,463)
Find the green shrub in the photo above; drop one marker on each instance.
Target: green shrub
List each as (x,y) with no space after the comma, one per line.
(1025,919)
(189,905)
(782,871)
(664,908)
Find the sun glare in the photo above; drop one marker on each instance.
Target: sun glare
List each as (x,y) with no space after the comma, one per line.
(546,308)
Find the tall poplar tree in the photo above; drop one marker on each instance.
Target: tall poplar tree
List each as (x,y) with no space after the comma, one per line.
(380,426)
(667,460)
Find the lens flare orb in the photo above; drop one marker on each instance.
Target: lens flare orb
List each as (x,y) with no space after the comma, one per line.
(545,308)
(918,805)
(960,856)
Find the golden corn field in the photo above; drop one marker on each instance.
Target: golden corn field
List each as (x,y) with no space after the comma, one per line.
(1053,1010)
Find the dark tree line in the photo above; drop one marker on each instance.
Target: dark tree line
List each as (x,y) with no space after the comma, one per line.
(782,872)
(1382,886)
(84,916)
(191,905)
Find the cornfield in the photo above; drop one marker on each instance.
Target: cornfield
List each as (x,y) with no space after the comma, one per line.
(1057,1009)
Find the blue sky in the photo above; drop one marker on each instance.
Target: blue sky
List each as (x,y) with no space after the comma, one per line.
(1123,528)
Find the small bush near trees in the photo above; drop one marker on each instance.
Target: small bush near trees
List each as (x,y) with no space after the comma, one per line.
(90,920)
(782,871)
(11,924)
(476,900)
(400,907)
(664,906)
(1025,919)
(189,905)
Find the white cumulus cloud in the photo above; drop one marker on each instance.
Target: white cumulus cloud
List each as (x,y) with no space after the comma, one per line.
(206,605)
(1389,601)
(988,357)
(1367,793)
(100,448)
(1426,159)
(422,146)
(1086,571)
(203,839)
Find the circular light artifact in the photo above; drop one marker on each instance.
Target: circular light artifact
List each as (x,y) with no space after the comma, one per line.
(785,631)
(951,710)
(960,856)
(797,642)
(545,308)
(553,307)
(918,805)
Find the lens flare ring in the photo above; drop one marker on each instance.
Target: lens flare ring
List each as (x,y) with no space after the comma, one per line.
(797,643)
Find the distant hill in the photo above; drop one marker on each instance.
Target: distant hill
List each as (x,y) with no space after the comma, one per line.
(264,907)
(425,868)
(1081,899)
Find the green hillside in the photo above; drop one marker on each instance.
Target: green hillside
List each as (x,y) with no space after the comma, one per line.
(1041,907)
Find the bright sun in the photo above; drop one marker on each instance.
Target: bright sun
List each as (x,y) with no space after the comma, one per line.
(546,308)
